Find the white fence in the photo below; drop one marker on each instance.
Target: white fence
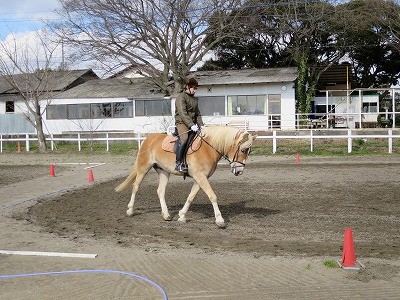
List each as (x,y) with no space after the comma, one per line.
(275,136)
(79,140)
(350,135)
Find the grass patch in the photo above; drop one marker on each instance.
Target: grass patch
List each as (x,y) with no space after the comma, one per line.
(331,264)
(115,148)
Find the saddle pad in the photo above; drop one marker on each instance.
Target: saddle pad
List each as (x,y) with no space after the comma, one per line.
(169,142)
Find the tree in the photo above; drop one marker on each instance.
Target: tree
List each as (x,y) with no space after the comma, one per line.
(163,39)
(390,18)
(27,70)
(257,44)
(285,33)
(313,35)
(371,46)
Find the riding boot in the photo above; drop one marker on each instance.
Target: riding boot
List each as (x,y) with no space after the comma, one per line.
(180,153)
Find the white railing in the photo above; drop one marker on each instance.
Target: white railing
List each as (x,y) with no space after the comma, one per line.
(350,135)
(79,140)
(274,135)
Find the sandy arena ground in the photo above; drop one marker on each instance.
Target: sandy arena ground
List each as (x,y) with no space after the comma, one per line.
(284,220)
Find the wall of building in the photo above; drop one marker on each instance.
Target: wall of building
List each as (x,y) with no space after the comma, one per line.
(140,124)
(348,110)
(255,122)
(145,124)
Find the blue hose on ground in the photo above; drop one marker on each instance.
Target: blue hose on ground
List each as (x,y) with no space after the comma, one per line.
(164,294)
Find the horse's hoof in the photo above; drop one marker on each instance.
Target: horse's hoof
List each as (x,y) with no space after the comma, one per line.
(221,224)
(167,218)
(182,219)
(129,213)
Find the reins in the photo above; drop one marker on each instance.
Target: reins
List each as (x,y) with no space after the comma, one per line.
(225,156)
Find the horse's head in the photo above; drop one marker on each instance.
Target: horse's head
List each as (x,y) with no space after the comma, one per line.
(240,151)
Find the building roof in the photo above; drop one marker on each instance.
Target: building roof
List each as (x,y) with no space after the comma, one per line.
(337,74)
(56,81)
(141,88)
(246,76)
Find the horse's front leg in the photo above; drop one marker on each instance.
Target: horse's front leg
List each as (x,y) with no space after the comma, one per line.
(206,187)
(182,213)
(163,180)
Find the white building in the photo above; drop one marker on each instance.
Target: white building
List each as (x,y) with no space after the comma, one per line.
(13,107)
(254,99)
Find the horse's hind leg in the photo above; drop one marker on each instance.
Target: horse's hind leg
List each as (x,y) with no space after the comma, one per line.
(182,213)
(141,173)
(163,180)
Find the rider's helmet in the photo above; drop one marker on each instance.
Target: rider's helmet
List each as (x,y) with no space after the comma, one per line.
(191,83)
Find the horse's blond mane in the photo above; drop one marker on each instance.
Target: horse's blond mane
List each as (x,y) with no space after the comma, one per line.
(222,137)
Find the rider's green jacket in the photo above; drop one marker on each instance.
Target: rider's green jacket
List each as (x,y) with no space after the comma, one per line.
(187,110)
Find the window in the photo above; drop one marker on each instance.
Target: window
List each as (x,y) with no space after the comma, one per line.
(246,105)
(153,107)
(370,107)
(210,106)
(79,111)
(321,109)
(274,110)
(123,110)
(10,108)
(100,110)
(56,112)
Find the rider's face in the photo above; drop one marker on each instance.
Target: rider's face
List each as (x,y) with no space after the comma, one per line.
(191,90)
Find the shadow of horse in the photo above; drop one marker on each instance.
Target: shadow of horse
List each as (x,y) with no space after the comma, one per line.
(230,210)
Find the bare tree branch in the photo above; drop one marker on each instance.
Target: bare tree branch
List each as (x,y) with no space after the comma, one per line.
(28,72)
(162,38)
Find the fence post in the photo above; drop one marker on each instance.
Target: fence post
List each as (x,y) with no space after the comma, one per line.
(311,141)
(274,141)
(79,142)
(1,143)
(349,141)
(108,146)
(390,140)
(51,142)
(139,140)
(27,142)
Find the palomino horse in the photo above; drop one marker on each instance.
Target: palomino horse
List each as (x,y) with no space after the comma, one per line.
(215,143)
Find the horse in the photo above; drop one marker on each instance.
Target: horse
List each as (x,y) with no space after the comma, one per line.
(213,143)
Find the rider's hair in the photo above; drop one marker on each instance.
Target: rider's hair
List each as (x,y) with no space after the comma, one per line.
(192,82)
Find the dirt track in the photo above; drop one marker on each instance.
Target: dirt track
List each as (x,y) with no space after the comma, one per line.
(273,209)
(277,208)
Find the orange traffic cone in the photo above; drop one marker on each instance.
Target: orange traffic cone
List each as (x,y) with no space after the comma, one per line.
(52,173)
(349,256)
(297,158)
(91,178)
(19,147)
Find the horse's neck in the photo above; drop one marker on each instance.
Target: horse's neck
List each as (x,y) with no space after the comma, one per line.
(214,150)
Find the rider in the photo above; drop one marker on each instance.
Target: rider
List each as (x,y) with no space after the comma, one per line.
(187,119)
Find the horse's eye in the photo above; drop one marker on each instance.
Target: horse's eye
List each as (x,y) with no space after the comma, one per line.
(245,150)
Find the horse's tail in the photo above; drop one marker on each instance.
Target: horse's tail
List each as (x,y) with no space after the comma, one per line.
(129,180)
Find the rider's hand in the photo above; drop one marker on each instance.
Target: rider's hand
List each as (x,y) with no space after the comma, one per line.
(194,128)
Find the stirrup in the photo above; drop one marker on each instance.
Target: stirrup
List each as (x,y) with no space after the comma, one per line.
(181,167)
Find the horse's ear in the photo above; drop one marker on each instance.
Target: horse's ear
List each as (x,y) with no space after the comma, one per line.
(254,137)
(245,137)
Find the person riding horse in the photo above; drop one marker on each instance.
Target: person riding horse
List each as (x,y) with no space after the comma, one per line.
(188,120)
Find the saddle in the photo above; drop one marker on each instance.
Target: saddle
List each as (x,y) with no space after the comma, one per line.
(169,141)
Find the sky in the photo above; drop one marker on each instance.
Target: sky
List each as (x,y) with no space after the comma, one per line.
(21,19)
(23,16)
